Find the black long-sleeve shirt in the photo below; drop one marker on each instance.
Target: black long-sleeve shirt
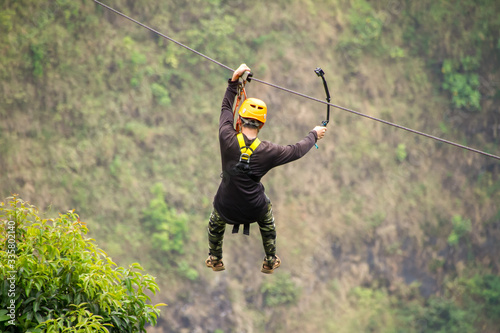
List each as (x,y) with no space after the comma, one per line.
(240,199)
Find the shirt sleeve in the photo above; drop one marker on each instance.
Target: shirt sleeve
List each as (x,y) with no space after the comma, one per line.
(226,116)
(290,153)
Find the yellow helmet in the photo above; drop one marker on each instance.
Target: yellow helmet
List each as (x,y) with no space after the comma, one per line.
(253,108)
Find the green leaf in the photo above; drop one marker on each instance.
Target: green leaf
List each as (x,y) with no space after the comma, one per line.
(4,317)
(34,330)
(83,273)
(39,318)
(128,284)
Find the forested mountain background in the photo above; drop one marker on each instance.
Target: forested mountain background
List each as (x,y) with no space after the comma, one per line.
(379,230)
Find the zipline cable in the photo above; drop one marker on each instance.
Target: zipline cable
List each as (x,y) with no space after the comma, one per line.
(301,94)
(164,36)
(379,120)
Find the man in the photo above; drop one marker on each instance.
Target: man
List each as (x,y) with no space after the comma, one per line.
(240,198)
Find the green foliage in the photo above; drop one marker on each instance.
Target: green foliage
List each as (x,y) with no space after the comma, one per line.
(167,228)
(280,291)
(461,227)
(379,312)
(443,315)
(63,281)
(489,187)
(372,307)
(161,94)
(401,153)
(115,166)
(462,83)
(6,20)
(469,54)
(214,35)
(371,32)
(397,52)
(366,26)
(37,58)
(92,106)
(487,290)
(187,271)
(365,30)
(77,320)
(138,58)
(375,220)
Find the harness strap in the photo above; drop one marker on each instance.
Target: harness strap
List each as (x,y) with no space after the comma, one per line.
(246,151)
(241,95)
(246,229)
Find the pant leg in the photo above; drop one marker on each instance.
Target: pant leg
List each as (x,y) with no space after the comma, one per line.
(216,229)
(268,232)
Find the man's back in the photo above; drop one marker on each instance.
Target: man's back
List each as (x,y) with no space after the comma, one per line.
(241,197)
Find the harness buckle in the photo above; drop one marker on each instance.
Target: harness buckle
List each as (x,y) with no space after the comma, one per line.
(244,157)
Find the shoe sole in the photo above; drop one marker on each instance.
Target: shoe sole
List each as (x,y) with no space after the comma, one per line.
(270,271)
(214,268)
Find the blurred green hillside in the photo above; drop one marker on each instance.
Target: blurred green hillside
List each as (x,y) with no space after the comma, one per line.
(379,230)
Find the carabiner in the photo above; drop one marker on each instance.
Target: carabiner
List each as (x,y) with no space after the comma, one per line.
(241,95)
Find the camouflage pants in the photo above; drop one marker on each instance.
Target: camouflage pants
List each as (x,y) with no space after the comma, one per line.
(217,227)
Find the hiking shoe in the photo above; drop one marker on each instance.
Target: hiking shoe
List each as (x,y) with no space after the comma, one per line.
(268,266)
(215,264)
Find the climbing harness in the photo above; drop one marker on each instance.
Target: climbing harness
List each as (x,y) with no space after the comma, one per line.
(321,74)
(246,151)
(301,94)
(243,167)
